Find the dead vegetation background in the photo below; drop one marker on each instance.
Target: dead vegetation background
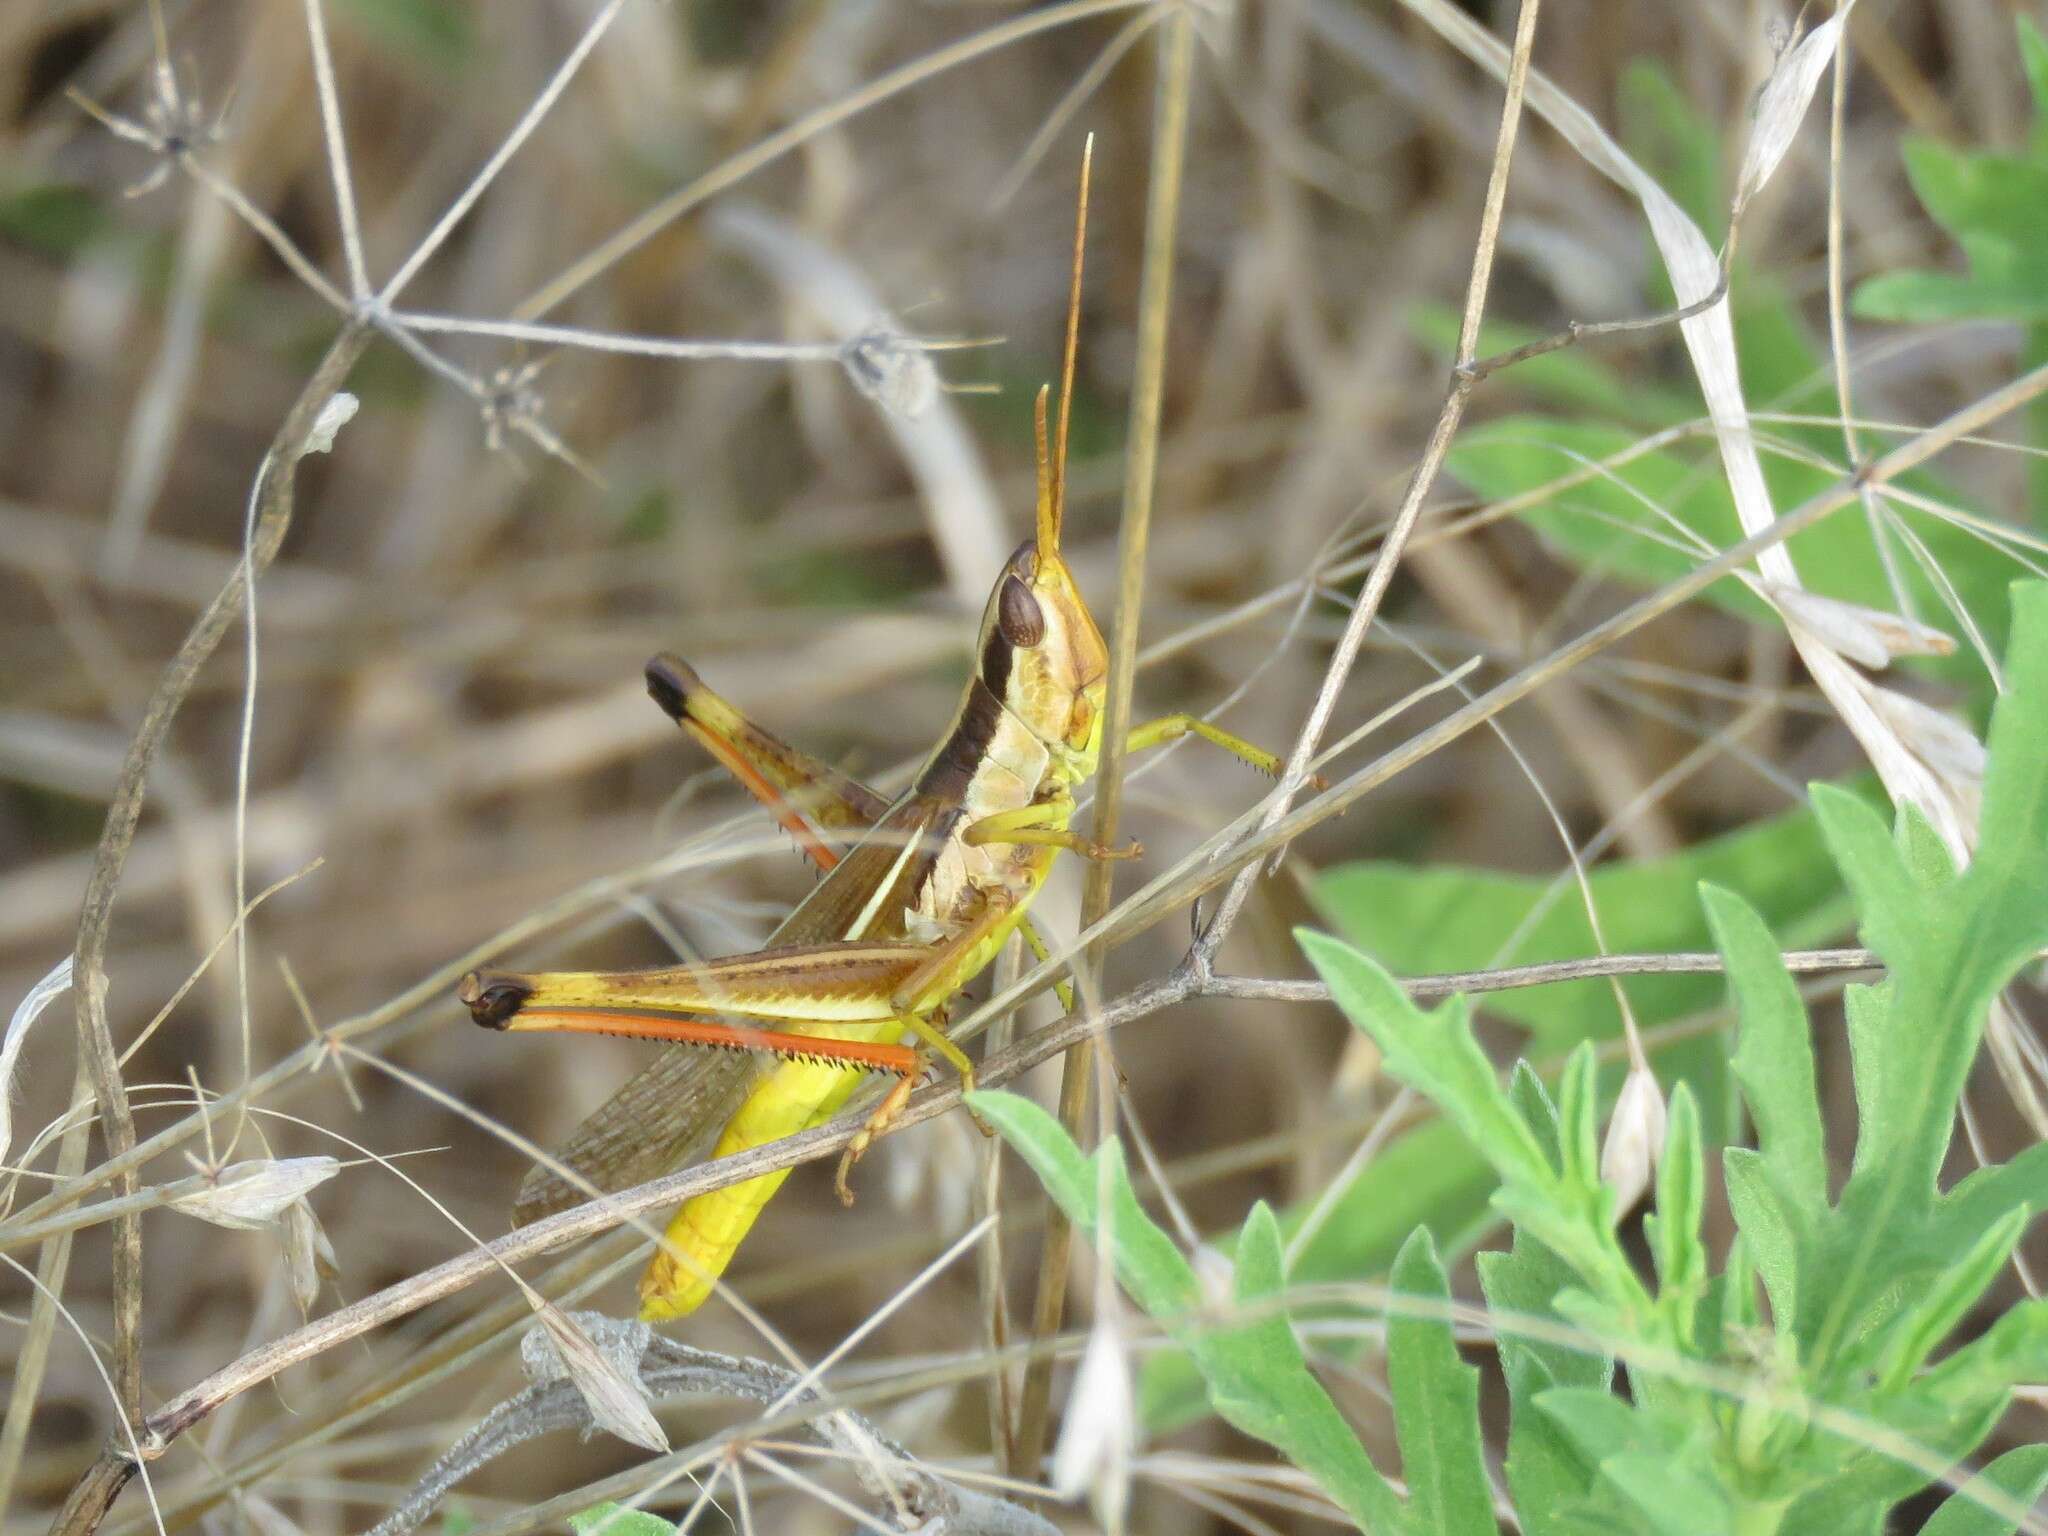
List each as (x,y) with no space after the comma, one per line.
(449,717)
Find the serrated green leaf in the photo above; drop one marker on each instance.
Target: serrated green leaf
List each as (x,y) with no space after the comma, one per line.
(1432,1052)
(2018,1478)
(1774,1051)
(2006,885)
(1599,1424)
(1949,946)
(1980,1201)
(1260,1278)
(1436,1405)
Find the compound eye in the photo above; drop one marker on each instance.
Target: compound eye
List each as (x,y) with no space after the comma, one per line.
(1018,615)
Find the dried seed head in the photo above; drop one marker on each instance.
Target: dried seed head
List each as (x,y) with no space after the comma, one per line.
(334,415)
(252,1195)
(40,996)
(1944,744)
(1635,1138)
(1782,103)
(1867,636)
(894,373)
(603,1364)
(1216,1275)
(309,1257)
(1100,1430)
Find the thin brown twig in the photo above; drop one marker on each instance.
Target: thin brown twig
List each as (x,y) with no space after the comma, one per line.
(1576,331)
(273,500)
(1176,51)
(1381,576)
(738,167)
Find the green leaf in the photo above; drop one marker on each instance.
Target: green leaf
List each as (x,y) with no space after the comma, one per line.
(1148,1263)
(426,32)
(1887,901)
(1578,1118)
(2017,1479)
(1600,1424)
(1605,501)
(1443,918)
(1769,1228)
(1666,1475)
(1676,1496)
(1433,1053)
(616,1520)
(2034,60)
(1774,1053)
(1932,298)
(1533,1103)
(1674,1228)
(1981,1200)
(2006,885)
(1995,206)
(1673,140)
(1436,1405)
(1261,1278)
(53,218)
(1546,1470)
(1255,1372)
(1914,1336)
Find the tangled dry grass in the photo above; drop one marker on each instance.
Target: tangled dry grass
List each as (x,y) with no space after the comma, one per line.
(448,752)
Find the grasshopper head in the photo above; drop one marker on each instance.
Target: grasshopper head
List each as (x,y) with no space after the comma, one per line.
(1041,653)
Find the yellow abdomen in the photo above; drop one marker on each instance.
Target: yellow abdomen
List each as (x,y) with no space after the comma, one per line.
(707,1230)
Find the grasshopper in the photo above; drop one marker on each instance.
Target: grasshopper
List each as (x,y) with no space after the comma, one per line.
(918,896)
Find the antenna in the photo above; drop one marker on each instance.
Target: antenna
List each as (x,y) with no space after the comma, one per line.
(1059,462)
(1048,509)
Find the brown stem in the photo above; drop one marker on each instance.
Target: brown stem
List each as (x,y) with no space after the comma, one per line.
(1176,43)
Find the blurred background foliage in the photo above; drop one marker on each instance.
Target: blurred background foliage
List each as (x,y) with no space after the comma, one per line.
(450,714)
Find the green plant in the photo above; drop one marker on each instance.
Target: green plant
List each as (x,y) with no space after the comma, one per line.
(1995,205)
(1816,1412)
